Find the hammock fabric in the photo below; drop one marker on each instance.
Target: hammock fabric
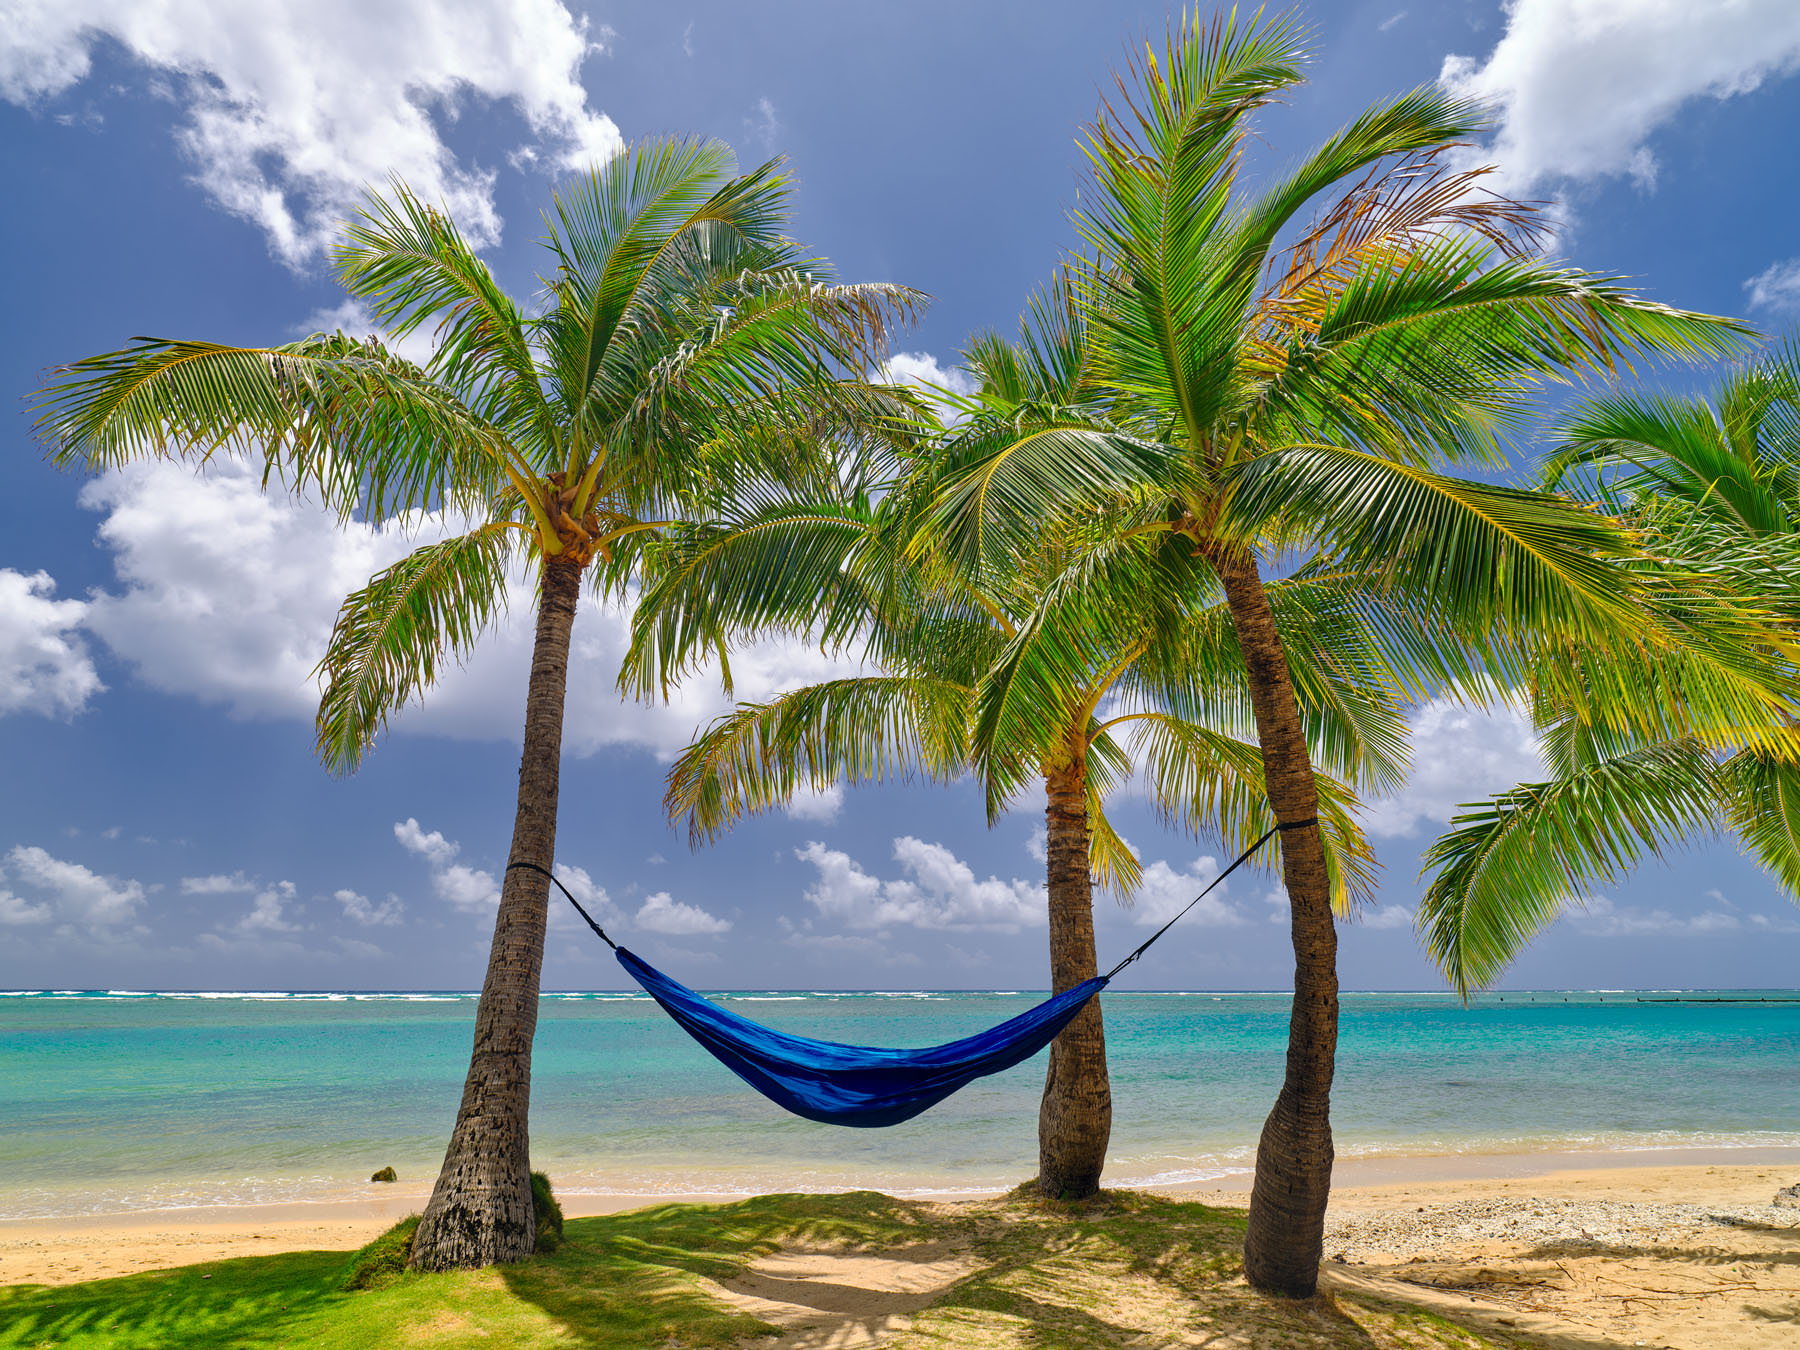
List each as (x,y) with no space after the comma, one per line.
(866,1085)
(862,1085)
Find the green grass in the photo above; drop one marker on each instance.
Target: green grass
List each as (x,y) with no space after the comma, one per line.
(1125,1269)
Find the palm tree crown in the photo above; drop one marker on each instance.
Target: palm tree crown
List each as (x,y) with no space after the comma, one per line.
(1646,752)
(684,350)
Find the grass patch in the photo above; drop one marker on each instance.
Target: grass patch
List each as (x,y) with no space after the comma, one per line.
(384,1260)
(549,1213)
(1123,1269)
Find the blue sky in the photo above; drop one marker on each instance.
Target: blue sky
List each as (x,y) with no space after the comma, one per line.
(176,167)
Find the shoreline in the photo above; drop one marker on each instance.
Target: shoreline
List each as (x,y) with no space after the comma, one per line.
(64,1250)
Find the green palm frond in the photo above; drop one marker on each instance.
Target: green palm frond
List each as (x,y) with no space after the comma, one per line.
(1206,783)
(370,432)
(1110,858)
(1508,868)
(790,566)
(407,260)
(392,636)
(1761,794)
(868,729)
(1484,556)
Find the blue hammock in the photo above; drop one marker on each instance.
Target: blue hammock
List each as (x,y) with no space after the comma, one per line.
(855,1084)
(867,1085)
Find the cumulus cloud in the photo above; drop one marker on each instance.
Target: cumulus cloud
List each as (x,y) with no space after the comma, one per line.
(662,913)
(291,111)
(473,891)
(44,665)
(939,891)
(77,896)
(235,884)
(358,908)
(1582,84)
(433,847)
(1386,916)
(16,910)
(923,371)
(266,914)
(1776,287)
(464,888)
(1599,916)
(228,595)
(817,804)
(1165,890)
(1459,754)
(1038,844)
(352,316)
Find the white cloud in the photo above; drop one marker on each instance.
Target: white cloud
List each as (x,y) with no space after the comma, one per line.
(1385,916)
(266,913)
(228,595)
(360,909)
(1038,844)
(924,371)
(467,888)
(940,891)
(1459,754)
(1582,84)
(1165,891)
(1776,287)
(15,910)
(74,894)
(762,126)
(462,887)
(1390,21)
(433,847)
(590,893)
(44,666)
(817,804)
(352,317)
(292,110)
(1601,917)
(235,884)
(662,913)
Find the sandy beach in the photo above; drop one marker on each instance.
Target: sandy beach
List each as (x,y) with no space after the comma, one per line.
(1576,1250)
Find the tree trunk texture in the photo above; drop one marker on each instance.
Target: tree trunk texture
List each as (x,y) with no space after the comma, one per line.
(1075,1118)
(481,1212)
(1286,1235)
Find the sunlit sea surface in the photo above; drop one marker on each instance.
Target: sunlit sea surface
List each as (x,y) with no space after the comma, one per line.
(119,1100)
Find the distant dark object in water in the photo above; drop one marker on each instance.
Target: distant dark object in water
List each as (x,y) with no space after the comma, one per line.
(1457,1082)
(385,1174)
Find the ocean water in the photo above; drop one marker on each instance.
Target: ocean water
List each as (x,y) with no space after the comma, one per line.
(117,1100)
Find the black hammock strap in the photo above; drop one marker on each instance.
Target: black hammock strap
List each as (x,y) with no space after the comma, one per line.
(1142,947)
(599,932)
(1242,858)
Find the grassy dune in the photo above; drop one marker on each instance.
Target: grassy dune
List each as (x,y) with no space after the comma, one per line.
(1125,1269)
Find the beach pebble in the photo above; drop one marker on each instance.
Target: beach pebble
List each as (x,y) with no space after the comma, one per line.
(1595,1225)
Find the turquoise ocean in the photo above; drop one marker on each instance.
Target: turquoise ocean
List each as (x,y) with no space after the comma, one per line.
(119,1100)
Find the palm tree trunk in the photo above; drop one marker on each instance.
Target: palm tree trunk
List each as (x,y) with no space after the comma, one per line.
(1286,1235)
(1075,1118)
(481,1211)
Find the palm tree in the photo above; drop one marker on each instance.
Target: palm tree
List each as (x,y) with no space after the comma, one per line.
(1643,757)
(1285,406)
(1007,674)
(684,346)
